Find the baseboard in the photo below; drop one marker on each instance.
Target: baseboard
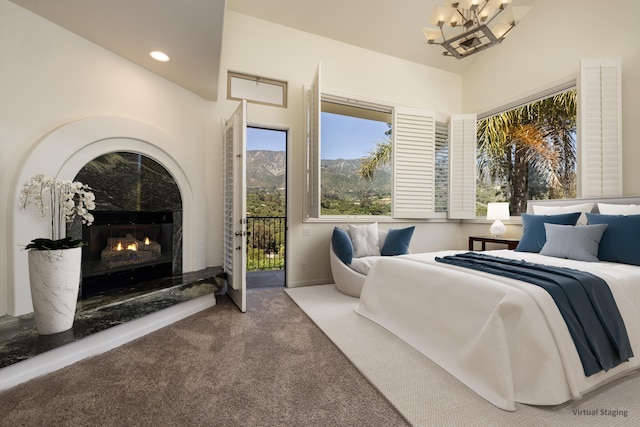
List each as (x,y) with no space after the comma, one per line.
(99,342)
(313,282)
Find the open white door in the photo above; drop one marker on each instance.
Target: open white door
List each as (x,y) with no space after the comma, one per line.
(235,223)
(313,109)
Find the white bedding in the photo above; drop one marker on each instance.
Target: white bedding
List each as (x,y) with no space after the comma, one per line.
(503,338)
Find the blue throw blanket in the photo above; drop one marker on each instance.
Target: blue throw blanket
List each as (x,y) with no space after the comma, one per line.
(584,300)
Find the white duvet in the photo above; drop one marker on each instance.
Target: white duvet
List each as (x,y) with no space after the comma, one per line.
(503,338)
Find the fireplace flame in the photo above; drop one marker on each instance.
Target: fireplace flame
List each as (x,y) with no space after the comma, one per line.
(146,241)
(130,247)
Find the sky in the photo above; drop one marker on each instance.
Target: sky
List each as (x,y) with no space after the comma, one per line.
(343,137)
(266,139)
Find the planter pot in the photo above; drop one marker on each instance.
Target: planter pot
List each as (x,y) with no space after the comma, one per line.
(54,277)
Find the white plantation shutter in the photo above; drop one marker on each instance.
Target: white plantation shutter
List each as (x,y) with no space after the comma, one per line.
(313,100)
(441,184)
(413,164)
(600,128)
(462,166)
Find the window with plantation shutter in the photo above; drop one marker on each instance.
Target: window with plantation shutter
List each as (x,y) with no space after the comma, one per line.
(413,164)
(410,161)
(462,166)
(600,128)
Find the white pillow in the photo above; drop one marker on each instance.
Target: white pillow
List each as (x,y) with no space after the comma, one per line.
(365,240)
(555,210)
(610,209)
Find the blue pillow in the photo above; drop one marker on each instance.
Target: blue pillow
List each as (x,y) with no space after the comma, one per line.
(533,233)
(579,242)
(342,245)
(621,240)
(397,241)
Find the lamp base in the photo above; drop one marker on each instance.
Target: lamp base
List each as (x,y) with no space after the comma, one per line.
(497,228)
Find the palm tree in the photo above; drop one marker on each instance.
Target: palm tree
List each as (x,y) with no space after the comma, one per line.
(377,158)
(537,139)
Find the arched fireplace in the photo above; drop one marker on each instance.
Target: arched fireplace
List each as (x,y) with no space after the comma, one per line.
(137,232)
(66,150)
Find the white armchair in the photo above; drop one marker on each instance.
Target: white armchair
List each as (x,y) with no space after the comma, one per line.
(347,280)
(350,266)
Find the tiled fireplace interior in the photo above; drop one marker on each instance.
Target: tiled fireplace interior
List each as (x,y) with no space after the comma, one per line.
(137,199)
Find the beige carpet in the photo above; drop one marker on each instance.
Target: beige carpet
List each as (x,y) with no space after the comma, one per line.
(429,396)
(270,366)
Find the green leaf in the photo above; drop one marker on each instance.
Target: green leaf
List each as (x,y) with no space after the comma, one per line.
(48,244)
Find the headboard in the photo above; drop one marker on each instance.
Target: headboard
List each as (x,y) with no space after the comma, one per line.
(625,200)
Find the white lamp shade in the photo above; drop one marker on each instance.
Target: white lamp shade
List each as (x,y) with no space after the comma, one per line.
(432,34)
(498,211)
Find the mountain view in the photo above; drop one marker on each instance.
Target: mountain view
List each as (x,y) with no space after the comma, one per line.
(343,191)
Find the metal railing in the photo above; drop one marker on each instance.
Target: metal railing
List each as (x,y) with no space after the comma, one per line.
(265,243)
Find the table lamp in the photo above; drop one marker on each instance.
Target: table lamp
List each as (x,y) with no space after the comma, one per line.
(498,212)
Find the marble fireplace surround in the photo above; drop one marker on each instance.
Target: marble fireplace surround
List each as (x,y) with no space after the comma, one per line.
(62,153)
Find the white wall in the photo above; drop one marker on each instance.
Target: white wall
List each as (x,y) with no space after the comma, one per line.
(257,47)
(50,77)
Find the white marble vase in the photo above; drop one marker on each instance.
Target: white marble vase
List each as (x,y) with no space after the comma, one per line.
(54,277)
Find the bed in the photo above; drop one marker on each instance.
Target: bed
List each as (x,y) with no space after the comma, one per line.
(503,338)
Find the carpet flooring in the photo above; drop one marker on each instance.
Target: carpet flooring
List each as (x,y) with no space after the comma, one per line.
(270,366)
(427,395)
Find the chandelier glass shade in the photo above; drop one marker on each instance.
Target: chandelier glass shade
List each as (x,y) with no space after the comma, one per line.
(466,27)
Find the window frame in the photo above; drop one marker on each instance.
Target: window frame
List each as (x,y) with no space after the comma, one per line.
(312,198)
(599,94)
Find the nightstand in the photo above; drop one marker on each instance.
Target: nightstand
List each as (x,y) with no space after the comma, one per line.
(511,243)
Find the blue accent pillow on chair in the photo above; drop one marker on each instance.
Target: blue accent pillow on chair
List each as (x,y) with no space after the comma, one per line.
(397,241)
(533,233)
(342,245)
(621,240)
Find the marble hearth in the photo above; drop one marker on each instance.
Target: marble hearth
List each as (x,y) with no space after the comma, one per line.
(19,340)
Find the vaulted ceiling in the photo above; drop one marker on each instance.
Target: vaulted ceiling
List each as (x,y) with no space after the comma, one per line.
(190,31)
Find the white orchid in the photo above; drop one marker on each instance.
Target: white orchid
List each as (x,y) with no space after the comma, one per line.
(65,199)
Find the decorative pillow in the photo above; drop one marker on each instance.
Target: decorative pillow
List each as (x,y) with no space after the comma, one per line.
(610,209)
(397,241)
(554,210)
(533,234)
(621,240)
(341,243)
(364,239)
(579,243)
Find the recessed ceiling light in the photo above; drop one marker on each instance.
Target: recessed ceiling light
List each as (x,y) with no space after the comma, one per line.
(160,56)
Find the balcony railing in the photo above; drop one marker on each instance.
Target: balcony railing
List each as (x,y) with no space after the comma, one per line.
(265,243)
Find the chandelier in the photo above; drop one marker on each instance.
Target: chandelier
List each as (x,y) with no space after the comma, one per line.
(470,26)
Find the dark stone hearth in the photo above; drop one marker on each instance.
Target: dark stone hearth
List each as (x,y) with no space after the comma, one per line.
(19,339)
